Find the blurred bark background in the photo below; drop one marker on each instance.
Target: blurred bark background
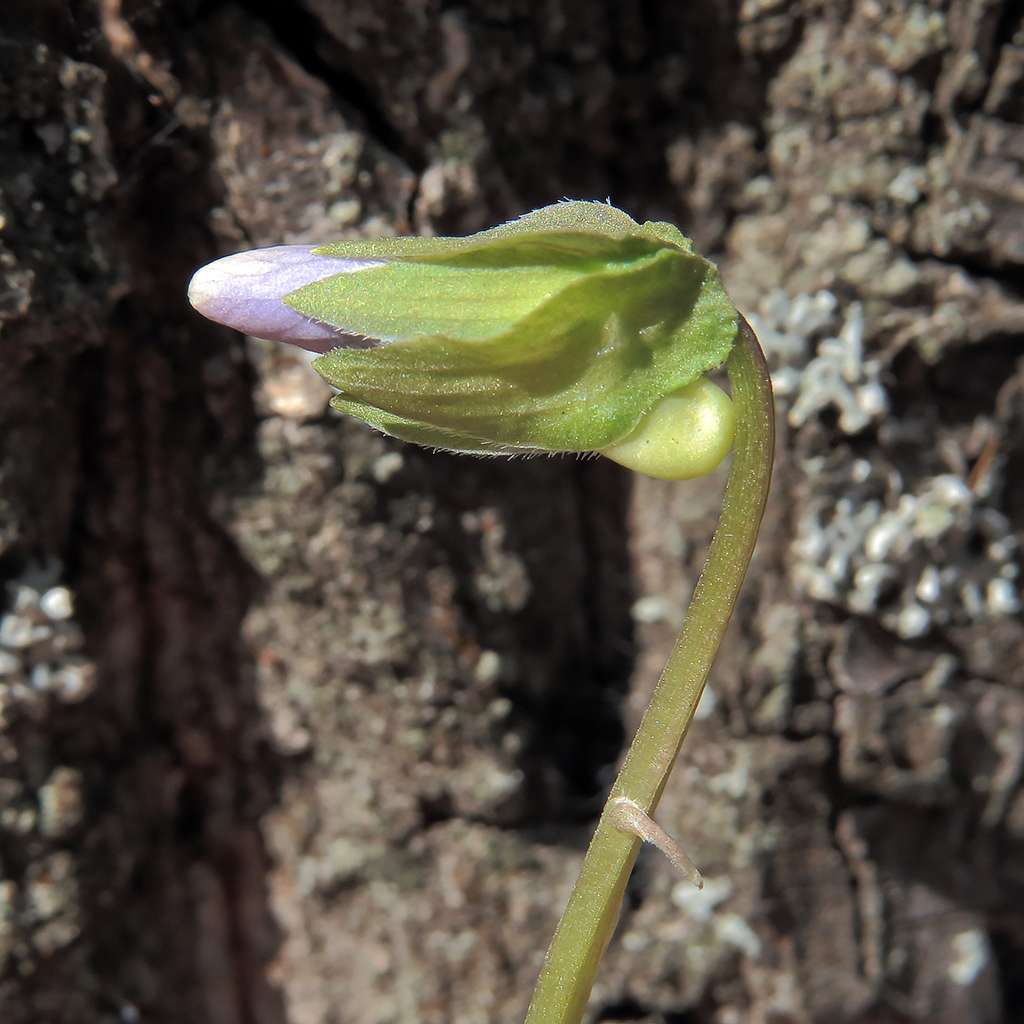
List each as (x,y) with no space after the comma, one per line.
(300,724)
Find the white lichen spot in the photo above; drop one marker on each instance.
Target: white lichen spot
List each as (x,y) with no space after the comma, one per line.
(914,560)
(834,375)
(636,942)
(488,668)
(50,887)
(700,904)
(648,610)
(15,631)
(734,783)
(57,604)
(1001,597)
(784,325)
(908,185)
(732,930)
(912,621)
(60,802)
(74,682)
(929,586)
(972,954)
(706,705)
(386,466)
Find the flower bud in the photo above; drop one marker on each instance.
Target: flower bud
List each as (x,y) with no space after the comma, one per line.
(572,329)
(244,291)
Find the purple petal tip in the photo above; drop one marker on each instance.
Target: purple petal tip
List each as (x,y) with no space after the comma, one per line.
(244,291)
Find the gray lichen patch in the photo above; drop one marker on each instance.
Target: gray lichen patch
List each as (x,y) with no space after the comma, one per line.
(917,560)
(917,555)
(401,643)
(860,195)
(42,666)
(816,370)
(59,101)
(391,713)
(294,167)
(41,646)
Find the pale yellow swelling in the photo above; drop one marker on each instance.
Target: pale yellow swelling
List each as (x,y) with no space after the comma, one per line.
(687,434)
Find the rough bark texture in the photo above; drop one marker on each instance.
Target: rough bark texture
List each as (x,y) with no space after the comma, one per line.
(303,725)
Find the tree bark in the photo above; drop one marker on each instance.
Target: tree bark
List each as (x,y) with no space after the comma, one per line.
(300,724)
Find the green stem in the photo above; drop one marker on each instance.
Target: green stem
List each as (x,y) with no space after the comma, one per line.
(586,926)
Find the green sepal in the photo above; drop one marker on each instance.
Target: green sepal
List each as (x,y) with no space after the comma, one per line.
(416,433)
(557,332)
(574,375)
(558,232)
(469,304)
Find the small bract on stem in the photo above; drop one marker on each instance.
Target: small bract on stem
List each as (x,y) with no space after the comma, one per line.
(572,329)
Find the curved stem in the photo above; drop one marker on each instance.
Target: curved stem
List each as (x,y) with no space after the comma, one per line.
(593,910)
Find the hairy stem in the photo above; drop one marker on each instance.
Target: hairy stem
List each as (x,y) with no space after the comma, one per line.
(590,917)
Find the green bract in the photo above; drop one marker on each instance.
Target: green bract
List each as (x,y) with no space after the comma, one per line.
(560,332)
